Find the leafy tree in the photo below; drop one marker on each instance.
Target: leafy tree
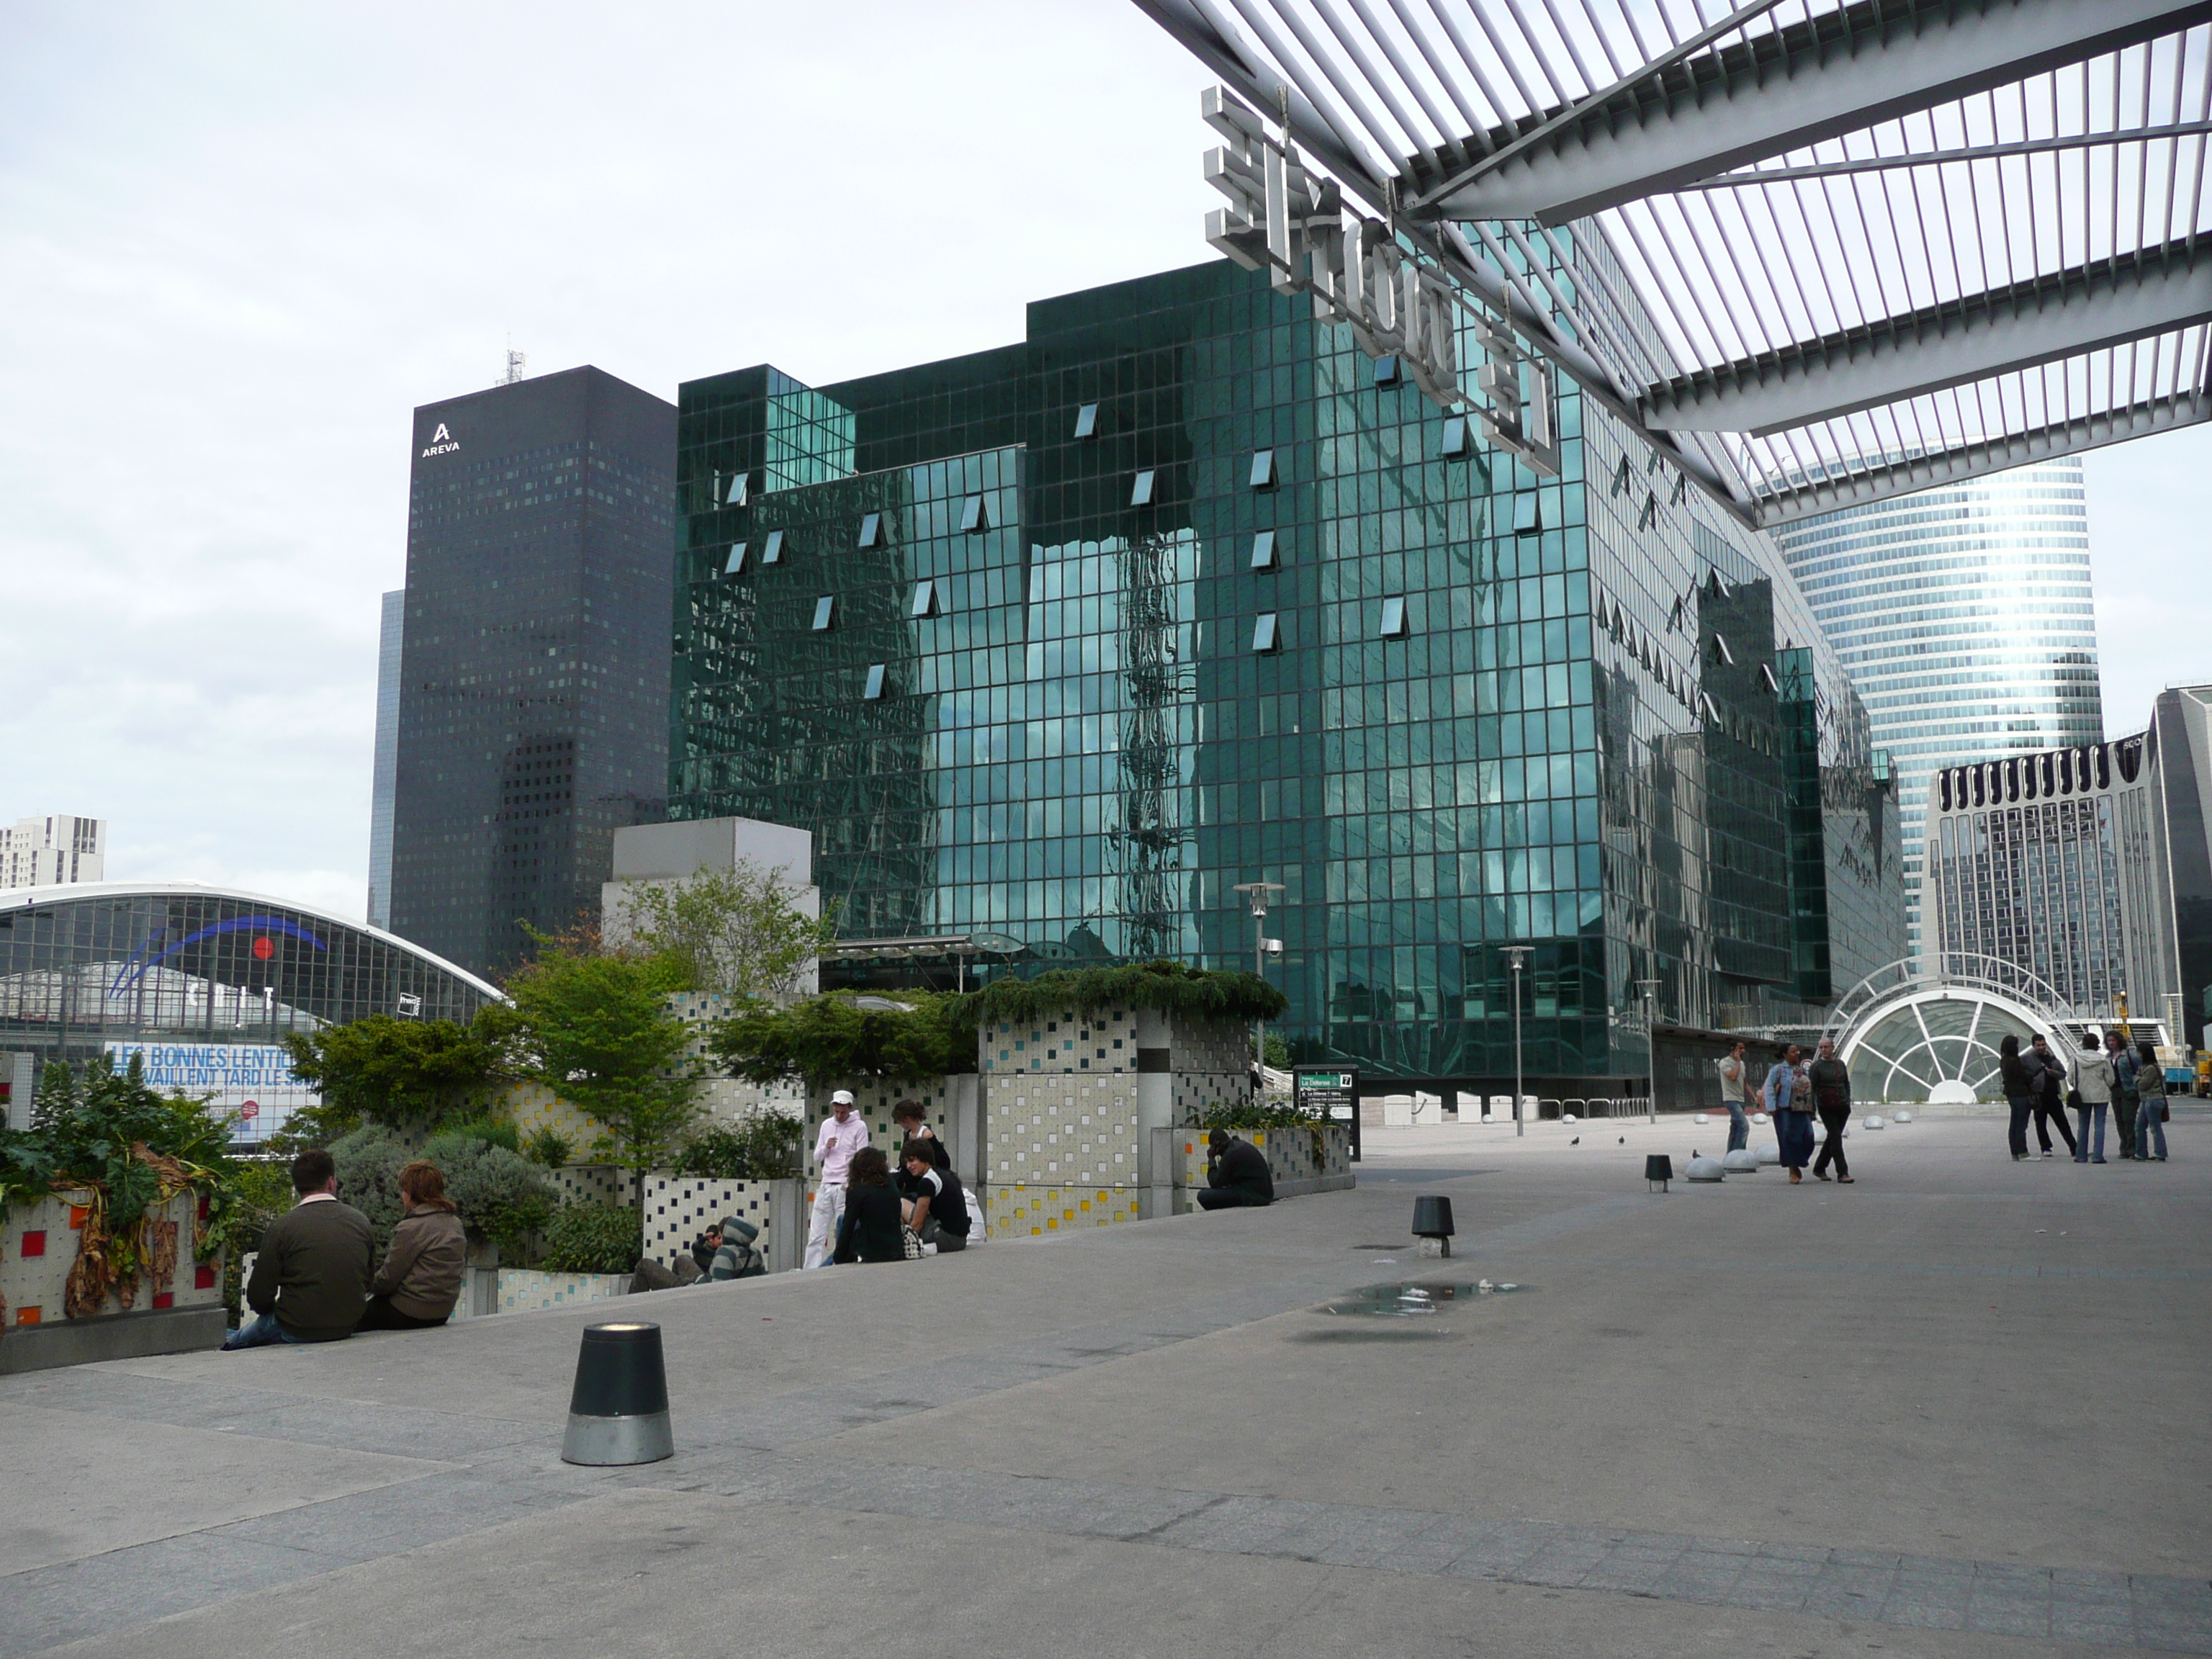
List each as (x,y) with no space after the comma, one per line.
(597,1030)
(915,1035)
(738,931)
(401,1073)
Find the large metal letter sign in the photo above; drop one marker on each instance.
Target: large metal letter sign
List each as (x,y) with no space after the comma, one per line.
(1292,224)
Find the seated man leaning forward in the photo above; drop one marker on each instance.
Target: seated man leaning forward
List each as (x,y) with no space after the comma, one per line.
(937,1212)
(1237,1174)
(310,1282)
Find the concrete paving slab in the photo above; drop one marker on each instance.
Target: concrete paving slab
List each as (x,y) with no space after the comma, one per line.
(73,1491)
(1764,1418)
(658,1573)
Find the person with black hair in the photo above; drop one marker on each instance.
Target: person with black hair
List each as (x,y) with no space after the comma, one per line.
(2019,1082)
(872,1228)
(310,1280)
(2048,1073)
(938,1211)
(2150,1108)
(1237,1174)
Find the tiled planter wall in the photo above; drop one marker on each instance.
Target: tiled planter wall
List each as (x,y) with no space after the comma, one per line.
(1069,1097)
(591,1183)
(677,1209)
(1290,1155)
(526,1290)
(38,1247)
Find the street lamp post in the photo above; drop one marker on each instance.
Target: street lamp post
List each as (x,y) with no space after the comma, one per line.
(1651,989)
(1257,892)
(1516,956)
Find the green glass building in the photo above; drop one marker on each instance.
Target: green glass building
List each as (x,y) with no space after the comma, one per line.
(1064,640)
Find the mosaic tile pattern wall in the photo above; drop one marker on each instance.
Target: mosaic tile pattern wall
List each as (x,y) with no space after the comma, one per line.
(526,1290)
(678,1207)
(1017,1211)
(591,1184)
(1062,1121)
(38,1247)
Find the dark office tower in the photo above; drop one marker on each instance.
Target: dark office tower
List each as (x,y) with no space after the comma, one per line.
(533,707)
(1054,645)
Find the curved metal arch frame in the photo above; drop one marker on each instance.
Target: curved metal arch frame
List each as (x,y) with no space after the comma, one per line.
(1923,993)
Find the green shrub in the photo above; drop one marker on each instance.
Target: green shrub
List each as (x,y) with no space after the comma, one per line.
(1169,987)
(547,1148)
(903,1034)
(493,1131)
(501,1196)
(593,1238)
(761,1147)
(1255,1114)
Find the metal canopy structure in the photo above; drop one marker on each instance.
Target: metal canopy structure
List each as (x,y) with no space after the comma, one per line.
(1818,252)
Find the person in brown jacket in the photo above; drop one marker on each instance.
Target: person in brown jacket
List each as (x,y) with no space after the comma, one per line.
(421,1278)
(311,1275)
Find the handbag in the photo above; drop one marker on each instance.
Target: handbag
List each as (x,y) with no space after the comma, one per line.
(909,1242)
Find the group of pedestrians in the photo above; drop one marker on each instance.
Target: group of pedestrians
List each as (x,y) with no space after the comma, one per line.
(864,1210)
(1794,1092)
(315,1277)
(2108,1081)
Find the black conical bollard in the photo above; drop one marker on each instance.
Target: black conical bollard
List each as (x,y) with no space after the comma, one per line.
(1432,1224)
(618,1411)
(1658,1170)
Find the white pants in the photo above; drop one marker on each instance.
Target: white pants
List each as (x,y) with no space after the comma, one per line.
(822,1223)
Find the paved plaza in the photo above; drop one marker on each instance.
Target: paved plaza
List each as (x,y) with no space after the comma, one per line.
(1956,1408)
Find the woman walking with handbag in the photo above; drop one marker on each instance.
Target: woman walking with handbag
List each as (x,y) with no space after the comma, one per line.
(1793,1120)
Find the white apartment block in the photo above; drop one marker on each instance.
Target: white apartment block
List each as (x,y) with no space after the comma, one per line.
(51,851)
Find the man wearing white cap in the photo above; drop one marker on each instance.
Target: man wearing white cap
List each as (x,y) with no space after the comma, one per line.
(842,1135)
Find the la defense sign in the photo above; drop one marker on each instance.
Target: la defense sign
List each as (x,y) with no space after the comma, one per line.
(251,1084)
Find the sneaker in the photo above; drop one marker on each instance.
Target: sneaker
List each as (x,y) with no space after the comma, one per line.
(2020,1157)
(2096,1160)
(2046,1151)
(2080,1157)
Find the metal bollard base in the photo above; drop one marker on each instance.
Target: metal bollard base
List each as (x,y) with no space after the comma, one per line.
(605,1441)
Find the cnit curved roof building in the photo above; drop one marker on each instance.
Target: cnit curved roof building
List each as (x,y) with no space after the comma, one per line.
(90,965)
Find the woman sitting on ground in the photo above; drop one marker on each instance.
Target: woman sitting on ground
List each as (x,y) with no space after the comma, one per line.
(870,1229)
(421,1278)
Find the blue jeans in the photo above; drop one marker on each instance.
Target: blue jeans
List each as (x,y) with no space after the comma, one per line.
(2091,1112)
(1739,1126)
(2150,1127)
(2016,1135)
(257,1332)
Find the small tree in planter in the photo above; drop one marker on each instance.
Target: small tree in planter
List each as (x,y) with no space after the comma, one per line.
(907,1037)
(408,1074)
(596,1030)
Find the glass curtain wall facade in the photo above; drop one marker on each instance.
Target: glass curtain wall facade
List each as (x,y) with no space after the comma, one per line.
(1965,617)
(1184,592)
(385,777)
(533,688)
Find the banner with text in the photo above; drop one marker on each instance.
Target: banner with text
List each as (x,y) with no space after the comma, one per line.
(252,1084)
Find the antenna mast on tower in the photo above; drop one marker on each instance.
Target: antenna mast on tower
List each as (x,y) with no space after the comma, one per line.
(515,360)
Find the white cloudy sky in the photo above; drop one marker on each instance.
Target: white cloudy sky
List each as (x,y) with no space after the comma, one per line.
(238,243)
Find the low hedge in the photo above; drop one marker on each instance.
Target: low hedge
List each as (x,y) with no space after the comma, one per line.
(1165,986)
(593,1238)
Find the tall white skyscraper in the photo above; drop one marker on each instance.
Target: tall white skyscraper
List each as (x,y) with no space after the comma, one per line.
(384,785)
(1963,615)
(50,851)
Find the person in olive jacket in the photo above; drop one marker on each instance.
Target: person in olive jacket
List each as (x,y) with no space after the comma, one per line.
(310,1277)
(421,1278)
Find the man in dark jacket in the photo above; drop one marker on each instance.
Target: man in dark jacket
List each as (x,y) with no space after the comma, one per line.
(1831,1082)
(1237,1174)
(310,1280)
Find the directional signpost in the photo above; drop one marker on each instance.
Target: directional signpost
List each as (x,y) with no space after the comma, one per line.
(1331,1093)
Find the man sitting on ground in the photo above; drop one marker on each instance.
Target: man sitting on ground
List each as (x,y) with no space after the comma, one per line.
(703,1247)
(1237,1174)
(735,1257)
(938,1210)
(310,1282)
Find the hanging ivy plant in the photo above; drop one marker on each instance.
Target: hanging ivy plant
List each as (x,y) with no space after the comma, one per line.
(1168,988)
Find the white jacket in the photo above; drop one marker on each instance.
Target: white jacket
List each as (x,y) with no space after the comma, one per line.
(2093,1075)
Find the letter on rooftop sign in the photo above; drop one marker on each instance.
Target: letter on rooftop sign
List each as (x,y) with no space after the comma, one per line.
(1293,224)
